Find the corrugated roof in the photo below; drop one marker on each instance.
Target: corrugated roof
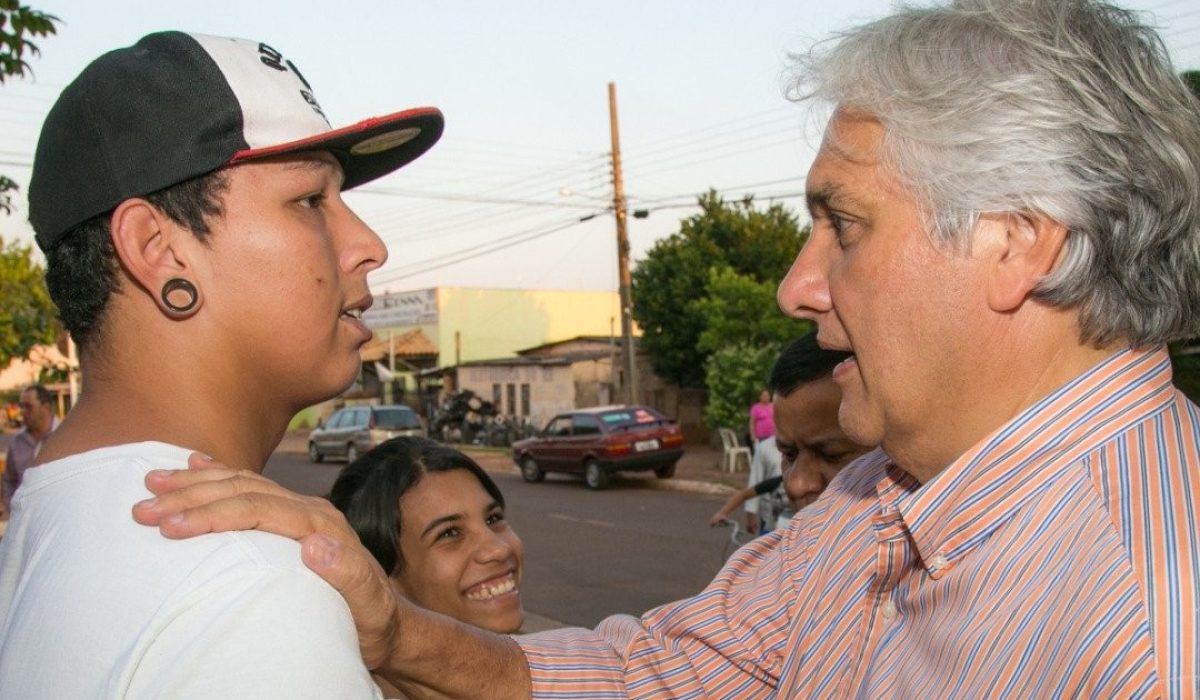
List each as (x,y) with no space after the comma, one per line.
(412,344)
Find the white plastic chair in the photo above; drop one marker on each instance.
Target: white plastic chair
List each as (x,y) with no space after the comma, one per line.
(733,452)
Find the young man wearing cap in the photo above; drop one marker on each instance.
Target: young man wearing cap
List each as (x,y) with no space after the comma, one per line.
(187,194)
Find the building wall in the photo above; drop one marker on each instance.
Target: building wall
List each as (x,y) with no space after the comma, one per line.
(494,323)
(593,385)
(551,389)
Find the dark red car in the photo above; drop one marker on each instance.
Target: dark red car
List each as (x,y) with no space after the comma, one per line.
(599,441)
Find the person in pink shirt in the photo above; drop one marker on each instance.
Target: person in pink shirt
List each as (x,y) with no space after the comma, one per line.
(762,418)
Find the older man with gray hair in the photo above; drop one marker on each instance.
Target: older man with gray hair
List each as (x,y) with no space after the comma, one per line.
(1006,233)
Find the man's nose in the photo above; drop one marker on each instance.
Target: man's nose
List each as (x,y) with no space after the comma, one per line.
(803,479)
(804,291)
(363,247)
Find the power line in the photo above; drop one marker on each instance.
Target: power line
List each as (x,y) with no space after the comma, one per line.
(737,150)
(439,262)
(740,132)
(765,183)
(529,185)
(462,220)
(691,133)
(452,197)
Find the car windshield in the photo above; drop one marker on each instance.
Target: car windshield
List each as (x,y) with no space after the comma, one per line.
(396,419)
(634,417)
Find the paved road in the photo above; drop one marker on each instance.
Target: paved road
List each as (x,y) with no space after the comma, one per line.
(588,554)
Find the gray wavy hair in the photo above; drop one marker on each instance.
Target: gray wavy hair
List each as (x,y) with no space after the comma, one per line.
(1067,108)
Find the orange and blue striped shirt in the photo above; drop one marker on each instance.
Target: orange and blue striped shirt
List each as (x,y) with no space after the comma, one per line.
(1059,557)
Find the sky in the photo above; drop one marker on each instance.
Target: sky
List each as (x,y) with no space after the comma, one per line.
(518,193)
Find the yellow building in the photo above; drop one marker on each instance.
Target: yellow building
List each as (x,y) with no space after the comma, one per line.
(468,323)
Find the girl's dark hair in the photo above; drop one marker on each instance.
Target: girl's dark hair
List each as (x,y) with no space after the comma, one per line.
(368,490)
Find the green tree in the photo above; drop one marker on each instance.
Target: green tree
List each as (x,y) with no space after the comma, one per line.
(1185,366)
(753,242)
(734,375)
(745,331)
(739,308)
(27,316)
(1192,79)
(17,24)
(1185,357)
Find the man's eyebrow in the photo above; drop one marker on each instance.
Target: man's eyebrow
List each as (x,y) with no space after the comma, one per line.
(307,163)
(826,443)
(827,195)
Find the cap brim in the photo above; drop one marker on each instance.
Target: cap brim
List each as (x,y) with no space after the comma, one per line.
(368,149)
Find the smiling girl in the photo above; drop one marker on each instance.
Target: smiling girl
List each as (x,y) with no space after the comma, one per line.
(435,522)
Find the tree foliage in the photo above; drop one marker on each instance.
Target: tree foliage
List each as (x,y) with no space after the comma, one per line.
(17,24)
(745,333)
(739,308)
(746,246)
(27,316)
(1185,367)
(735,374)
(1185,357)
(1191,78)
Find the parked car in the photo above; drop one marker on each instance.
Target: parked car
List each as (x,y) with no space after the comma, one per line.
(599,441)
(353,430)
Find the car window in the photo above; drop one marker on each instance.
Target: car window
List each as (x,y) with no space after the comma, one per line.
(631,417)
(337,419)
(585,425)
(559,426)
(362,416)
(396,419)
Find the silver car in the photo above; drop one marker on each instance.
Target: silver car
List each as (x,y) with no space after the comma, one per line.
(353,430)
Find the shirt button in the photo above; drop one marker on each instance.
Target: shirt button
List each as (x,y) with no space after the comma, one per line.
(889,610)
(939,561)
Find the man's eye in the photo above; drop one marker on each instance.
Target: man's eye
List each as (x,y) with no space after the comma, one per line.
(839,226)
(314,201)
(832,457)
(495,518)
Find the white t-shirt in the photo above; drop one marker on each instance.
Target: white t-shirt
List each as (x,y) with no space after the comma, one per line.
(94,605)
(767,463)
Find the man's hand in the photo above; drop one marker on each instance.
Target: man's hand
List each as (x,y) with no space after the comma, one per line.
(752,523)
(210,497)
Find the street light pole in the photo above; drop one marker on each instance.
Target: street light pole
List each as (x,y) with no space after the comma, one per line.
(622,249)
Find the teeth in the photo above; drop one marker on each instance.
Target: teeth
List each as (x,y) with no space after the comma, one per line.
(487,592)
(354,313)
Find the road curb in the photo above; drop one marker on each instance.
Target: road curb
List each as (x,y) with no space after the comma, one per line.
(647,480)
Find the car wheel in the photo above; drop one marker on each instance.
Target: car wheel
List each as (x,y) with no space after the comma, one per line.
(666,471)
(314,454)
(530,471)
(351,453)
(594,475)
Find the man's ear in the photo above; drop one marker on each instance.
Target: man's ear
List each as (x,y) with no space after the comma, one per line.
(154,250)
(1024,249)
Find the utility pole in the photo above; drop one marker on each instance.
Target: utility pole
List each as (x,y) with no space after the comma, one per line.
(622,248)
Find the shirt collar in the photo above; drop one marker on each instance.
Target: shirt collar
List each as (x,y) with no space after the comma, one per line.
(979,491)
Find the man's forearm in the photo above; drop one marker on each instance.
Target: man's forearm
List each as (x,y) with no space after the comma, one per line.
(438,657)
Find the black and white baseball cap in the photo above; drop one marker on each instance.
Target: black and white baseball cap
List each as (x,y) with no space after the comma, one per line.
(176,106)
